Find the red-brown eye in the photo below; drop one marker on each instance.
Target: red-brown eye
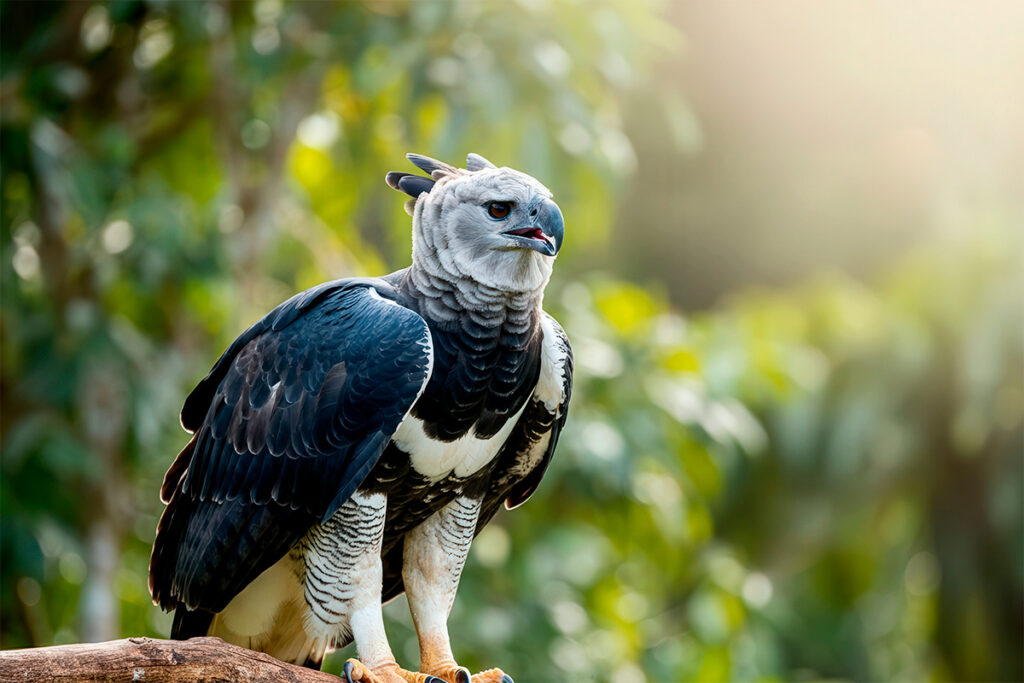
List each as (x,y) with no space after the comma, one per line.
(499,210)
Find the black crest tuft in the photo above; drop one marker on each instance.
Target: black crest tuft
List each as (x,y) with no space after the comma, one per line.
(412,185)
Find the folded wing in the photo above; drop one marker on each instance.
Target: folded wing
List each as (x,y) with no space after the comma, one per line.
(287,425)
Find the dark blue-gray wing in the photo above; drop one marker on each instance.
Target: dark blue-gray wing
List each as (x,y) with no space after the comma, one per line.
(287,425)
(526,455)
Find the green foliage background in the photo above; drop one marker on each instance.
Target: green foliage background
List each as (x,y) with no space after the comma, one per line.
(817,481)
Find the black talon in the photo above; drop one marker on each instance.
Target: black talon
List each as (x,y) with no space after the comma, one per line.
(507,679)
(462,676)
(347,670)
(433,679)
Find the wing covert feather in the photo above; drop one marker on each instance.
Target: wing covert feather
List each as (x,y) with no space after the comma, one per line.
(531,445)
(294,416)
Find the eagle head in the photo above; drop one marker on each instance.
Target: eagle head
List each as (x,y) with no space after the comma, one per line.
(496,226)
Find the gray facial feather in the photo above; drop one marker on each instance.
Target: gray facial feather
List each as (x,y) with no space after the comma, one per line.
(456,242)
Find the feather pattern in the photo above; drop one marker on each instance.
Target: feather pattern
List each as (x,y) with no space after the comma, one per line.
(279,451)
(362,418)
(529,449)
(511,478)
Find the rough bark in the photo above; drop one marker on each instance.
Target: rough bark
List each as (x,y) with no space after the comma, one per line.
(149,659)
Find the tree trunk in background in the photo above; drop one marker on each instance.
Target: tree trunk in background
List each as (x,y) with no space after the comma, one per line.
(99,611)
(103,407)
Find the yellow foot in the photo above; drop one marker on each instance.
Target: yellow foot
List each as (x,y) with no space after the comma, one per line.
(492,676)
(460,674)
(356,672)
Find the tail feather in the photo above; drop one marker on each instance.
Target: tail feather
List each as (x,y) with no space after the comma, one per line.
(190,623)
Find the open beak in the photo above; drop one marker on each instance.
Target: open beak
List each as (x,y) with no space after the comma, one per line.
(545,235)
(532,238)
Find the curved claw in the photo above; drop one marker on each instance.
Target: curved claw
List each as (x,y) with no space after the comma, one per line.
(462,675)
(347,670)
(433,679)
(507,679)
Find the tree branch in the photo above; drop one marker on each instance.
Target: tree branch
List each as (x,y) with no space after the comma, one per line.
(149,659)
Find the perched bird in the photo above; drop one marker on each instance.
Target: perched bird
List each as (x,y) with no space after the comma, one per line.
(351,444)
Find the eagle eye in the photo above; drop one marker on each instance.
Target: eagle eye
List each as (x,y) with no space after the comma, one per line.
(499,210)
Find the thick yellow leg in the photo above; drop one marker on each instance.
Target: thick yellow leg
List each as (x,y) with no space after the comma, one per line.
(436,659)
(435,553)
(460,674)
(356,672)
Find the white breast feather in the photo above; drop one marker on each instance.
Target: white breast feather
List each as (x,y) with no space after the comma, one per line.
(437,459)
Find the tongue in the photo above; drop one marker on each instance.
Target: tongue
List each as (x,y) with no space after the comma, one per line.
(532,233)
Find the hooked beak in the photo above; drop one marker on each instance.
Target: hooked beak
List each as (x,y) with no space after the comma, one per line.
(545,234)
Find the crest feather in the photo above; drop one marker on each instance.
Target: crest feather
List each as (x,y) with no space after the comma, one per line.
(475,162)
(415,185)
(412,185)
(435,168)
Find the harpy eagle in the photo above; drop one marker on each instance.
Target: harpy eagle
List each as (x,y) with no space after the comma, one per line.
(351,444)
